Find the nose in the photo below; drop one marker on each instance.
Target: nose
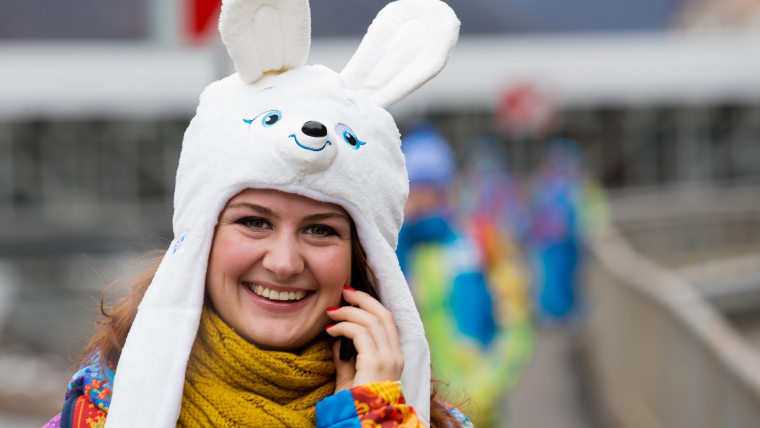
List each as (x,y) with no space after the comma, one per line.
(283,257)
(313,128)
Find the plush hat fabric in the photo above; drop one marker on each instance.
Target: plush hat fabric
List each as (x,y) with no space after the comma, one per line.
(249,132)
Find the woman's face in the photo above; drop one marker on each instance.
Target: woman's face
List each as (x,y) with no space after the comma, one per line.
(277,262)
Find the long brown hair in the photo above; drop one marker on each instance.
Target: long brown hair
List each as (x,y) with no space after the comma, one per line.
(112,329)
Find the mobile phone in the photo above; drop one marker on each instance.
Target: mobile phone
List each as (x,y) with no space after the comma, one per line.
(347,348)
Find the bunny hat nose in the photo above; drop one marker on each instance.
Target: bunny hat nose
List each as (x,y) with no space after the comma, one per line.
(310,150)
(314,129)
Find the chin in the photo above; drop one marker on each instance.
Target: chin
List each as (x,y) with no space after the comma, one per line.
(280,346)
(275,341)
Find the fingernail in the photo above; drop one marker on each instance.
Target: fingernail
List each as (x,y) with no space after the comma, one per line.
(349,288)
(333,308)
(331,325)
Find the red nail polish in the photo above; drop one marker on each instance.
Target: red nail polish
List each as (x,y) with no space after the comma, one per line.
(349,288)
(331,325)
(333,308)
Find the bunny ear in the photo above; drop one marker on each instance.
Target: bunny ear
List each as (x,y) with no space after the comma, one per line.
(407,44)
(265,35)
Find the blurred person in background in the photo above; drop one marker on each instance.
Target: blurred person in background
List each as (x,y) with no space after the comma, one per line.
(489,192)
(472,346)
(565,203)
(492,208)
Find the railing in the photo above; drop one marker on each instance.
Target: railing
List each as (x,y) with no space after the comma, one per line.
(660,354)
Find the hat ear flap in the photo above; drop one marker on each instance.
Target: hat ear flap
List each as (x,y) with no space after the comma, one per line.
(405,46)
(265,35)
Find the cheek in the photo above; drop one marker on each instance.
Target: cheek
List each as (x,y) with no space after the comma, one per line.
(227,257)
(333,269)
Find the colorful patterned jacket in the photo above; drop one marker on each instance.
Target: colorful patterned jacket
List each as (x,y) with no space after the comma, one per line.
(371,405)
(476,316)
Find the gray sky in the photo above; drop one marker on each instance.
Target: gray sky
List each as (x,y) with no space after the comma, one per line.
(128,19)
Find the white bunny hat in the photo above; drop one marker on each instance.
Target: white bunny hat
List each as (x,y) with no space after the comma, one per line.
(280,124)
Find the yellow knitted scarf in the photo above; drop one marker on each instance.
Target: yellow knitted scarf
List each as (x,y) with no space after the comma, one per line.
(232,383)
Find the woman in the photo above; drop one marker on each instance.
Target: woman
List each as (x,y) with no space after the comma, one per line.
(268,242)
(290,185)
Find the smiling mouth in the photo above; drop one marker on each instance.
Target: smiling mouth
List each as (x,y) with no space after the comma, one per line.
(293,136)
(275,295)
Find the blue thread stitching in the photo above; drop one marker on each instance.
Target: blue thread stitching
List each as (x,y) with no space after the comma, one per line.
(309,148)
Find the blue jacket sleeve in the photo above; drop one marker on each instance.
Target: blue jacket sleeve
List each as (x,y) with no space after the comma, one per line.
(338,411)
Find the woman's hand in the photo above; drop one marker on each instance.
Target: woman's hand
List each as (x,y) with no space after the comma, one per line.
(374,334)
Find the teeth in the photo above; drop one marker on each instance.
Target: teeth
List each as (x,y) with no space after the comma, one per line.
(277,295)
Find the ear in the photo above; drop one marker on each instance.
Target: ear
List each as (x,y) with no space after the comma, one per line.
(407,44)
(265,35)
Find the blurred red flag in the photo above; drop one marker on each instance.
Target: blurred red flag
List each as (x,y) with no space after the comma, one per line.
(525,108)
(203,15)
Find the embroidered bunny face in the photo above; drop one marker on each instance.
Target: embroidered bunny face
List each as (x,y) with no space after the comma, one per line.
(310,125)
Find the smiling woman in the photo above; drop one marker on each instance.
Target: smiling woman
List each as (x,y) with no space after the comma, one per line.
(277,262)
(285,227)
(278,271)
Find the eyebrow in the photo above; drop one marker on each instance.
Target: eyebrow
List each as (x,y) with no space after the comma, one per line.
(268,212)
(258,208)
(324,216)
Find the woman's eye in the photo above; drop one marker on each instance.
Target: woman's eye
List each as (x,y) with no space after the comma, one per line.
(321,230)
(253,222)
(271,117)
(349,136)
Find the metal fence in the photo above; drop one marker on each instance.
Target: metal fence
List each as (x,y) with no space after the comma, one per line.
(660,353)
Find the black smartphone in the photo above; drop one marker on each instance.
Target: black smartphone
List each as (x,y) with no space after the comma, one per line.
(347,348)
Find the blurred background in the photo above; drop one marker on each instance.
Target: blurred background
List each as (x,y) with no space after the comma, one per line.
(626,135)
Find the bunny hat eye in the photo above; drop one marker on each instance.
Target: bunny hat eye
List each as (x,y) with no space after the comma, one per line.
(349,136)
(271,117)
(268,118)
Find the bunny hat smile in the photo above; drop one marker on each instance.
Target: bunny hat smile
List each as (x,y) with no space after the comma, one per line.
(303,129)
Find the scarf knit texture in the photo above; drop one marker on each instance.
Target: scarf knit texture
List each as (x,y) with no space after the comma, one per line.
(232,383)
